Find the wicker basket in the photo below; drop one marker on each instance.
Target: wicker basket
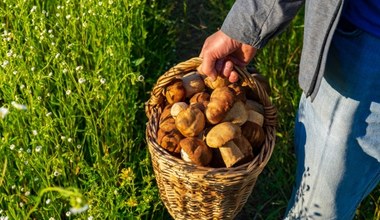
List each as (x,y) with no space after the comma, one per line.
(192,192)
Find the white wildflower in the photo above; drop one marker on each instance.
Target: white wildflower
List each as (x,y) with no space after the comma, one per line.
(81,80)
(64,71)
(57,55)
(68,92)
(21,204)
(51,218)
(12,147)
(90,217)
(78,68)
(69,140)
(3,112)
(68,213)
(47,201)
(34,132)
(79,146)
(38,148)
(15,72)
(28,150)
(68,17)
(18,106)
(79,210)
(49,114)
(56,173)
(102,80)
(5,63)
(33,68)
(27,193)
(9,53)
(33,9)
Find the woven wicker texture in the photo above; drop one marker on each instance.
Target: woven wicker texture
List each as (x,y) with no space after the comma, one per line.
(193,192)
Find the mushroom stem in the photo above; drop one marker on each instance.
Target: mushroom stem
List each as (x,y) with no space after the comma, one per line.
(231,153)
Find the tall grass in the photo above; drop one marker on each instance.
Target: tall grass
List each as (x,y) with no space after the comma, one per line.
(73,79)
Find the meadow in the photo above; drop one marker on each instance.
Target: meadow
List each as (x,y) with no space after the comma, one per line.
(74,78)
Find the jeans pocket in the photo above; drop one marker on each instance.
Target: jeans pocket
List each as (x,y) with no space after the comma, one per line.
(347,29)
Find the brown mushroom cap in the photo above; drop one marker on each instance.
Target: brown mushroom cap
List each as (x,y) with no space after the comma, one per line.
(221,101)
(220,81)
(195,151)
(253,105)
(190,122)
(193,83)
(175,92)
(237,114)
(222,133)
(239,91)
(169,140)
(177,108)
(221,136)
(245,147)
(255,134)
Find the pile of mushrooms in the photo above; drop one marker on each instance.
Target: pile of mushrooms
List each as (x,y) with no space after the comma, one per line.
(212,123)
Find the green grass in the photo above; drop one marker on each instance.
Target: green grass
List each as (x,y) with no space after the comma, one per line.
(83,70)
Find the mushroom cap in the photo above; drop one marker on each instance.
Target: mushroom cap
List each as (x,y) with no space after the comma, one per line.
(190,122)
(177,108)
(221,100)
(254,133)
(222,133)
(200,97)
(168,124)
(253,105)
(239,91)
(175,91)
(193,83)
(220,81)
(169,140)
(195,150)
(237,114)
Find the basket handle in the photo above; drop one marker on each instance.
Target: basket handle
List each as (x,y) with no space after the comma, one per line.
(157,94)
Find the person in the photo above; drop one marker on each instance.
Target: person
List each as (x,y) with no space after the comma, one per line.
(337,130)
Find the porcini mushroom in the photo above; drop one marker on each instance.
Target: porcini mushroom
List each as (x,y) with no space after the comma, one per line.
(220,81)
(237,114)
(190,122)
(170,140)
(194,150)
(255,134)
(222,136)
(221,101)
(177,108)
(200,100)
(175,92)
(193,83)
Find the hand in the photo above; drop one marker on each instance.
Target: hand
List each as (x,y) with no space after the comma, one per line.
(220,53)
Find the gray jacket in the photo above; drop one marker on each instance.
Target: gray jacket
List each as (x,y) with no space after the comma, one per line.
(254,22)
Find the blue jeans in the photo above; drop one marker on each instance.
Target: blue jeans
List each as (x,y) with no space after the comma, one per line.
(337,135)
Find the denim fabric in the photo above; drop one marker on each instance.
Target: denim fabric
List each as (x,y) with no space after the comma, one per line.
(337,140)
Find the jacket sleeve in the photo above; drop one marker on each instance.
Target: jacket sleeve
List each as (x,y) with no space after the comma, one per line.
(254,22)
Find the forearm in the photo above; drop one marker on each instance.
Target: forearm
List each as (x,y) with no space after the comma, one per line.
(254,22)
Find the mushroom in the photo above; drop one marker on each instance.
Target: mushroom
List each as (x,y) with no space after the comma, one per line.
(195,151)
(175,92)
(190,122)
(237,114)
(245,147)
(221,136)
(253,93)
(253,105)
(177,108)
(255,134)
(193,83)
(170,140)
(239,91)
(221,100)
(200,100)
(220,81)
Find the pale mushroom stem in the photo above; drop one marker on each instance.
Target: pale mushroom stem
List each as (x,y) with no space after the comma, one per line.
(231,154)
